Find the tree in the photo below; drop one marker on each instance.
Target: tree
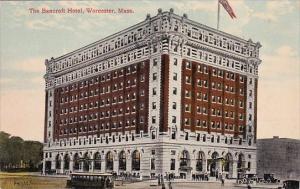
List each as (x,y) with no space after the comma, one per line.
(17,153)
(32,153)
(4,156)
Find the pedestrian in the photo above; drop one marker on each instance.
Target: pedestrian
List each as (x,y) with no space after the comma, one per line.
(223,181)
(158,180)
(170,185)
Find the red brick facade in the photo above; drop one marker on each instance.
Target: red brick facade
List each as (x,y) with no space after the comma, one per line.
(213,100)
(116,101)
(164,105)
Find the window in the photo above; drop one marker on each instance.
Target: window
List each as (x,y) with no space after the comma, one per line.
(175,76)
(152,163)
(154,91)
(205,69)
(141,119)
(154,76)
(214,72)
(153,105)
(174,91)
(136,159)
(241,91)
(199,82)
(188,79)
(154,62)
(241,79)
(174,105)
(141,106)
(241,104)
(122,161)
(188,65)
(152,152)
(205,83)
(153,135)
(186,136)
(173,136)
(187,107)
(153,119)
(175,62)
(188,94)
(187,121)
(173,119)
(172,164)
(142,93)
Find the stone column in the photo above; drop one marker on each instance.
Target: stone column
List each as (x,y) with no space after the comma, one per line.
(53,164)
(116,165)
(103,165)
(92,166)
(81,166)
(177,166)
(129,164)
(219,165)
(71,166)
(193,165)
(234,169)
(44,164)
(62,166)
(204,165)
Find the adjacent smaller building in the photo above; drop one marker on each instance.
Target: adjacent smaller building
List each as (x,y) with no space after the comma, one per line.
(280,156)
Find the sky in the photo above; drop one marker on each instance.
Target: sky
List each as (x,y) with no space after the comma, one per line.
(27,39)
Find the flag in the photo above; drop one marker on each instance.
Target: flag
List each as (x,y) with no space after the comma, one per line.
(228,8)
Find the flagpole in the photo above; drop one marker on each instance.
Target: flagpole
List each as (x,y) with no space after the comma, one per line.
(218,21)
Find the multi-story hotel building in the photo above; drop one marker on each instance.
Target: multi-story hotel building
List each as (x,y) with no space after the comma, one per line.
(167,95)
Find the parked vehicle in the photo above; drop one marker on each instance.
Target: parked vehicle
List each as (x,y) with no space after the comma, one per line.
(291,184)
(248,179)
(269,178)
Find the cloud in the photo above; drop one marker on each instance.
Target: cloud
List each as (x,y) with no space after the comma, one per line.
(274,10)
(23,75)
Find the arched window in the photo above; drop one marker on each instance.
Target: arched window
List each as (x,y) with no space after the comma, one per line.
(213,164)
(136,160)
(97,161)
(184,159)
(241,162)
(57,162)
(122,161)
(86,163)
(109,161)
(200,161)
(76,162)
(67,162)
(228,162)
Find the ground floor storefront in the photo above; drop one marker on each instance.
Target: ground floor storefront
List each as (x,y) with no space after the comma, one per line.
(172,160)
